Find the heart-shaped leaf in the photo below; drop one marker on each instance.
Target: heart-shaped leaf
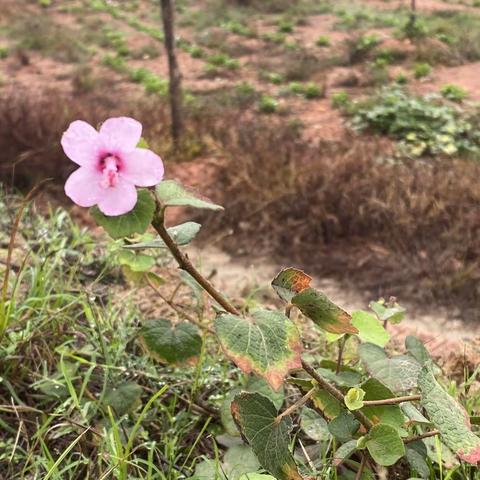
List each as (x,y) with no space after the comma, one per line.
(137,262)
(169,343)
(398,373)
(344,427)
(171,193)
(123,398)
(314,425)
(289,282)
(388,414)
(268,344)
(135,221)
(182,234)
(449,417)
(324,313)
(256,418)
(394,314)
(385,445)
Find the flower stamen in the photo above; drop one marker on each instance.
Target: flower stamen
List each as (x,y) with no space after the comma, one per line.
(109,172)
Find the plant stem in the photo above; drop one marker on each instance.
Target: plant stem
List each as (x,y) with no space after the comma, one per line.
(358,476)
(335,393)
(392,401)
(341,346)
(296,405)
(178,310)
(432,433)
(185,264)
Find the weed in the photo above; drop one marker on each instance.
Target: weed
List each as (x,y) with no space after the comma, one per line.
(422,125)
(323,41)
(421,70)
(340,100)
(267,104)
(358,48)
(285,25)
(273,77)
(454,93)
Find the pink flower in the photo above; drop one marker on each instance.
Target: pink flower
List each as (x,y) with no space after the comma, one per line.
(111,165)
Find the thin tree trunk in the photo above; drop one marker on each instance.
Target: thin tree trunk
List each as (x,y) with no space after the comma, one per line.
(175,87)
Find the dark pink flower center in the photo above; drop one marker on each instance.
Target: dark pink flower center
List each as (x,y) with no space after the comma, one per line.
(109,166)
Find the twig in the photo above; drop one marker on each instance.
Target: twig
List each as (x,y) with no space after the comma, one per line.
(178,310)
(341,346)
(358,476)
(296,405)
(335,393)
(392,401)
(185,264)
(432,433)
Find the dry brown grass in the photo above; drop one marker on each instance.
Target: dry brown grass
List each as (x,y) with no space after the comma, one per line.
(406,229)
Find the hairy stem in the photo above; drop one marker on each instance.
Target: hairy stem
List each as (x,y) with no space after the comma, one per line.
(185,264)
(335,392)
(359,474)
(392,401)
(296,405)
(432,433)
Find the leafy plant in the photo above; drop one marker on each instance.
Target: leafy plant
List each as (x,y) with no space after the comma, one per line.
(323,41)
(453,93)
(421,70)
(268,104)
(422,125)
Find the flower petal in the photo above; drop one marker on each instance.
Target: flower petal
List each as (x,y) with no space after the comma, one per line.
(119,199)
(83,186)
(80,143)
(142,167)
(120,134)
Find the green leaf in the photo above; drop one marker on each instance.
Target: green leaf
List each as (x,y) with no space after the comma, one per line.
(324,313)
(354,398)
(171,193)
(449,417)
(226,413)
(137,262)
(344,427)
(344,452)
(182,234)
(169,343)
(398,373)
(385,445)
(255,416)
(142,279)
(322,400)
(267,344)
(259,385)
(417,349)
(208,470)
(388,414)
(135,221)
(289,282)
(123,398)
(314,425)
(393,314)
(416,453)
(238,461)
(369,328)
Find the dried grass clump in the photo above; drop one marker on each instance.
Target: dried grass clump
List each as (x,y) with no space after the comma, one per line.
(404,228)
(31,126)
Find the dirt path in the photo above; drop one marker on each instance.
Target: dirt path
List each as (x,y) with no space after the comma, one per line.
(446,336)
